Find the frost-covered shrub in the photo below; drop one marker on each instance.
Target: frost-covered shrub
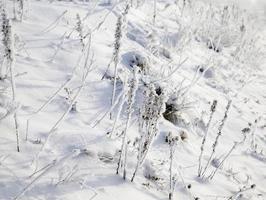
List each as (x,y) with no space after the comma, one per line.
(151,111)
(174,108)
(218,27)
(249,51)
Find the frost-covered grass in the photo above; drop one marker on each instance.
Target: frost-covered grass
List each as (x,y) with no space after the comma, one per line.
(155,67)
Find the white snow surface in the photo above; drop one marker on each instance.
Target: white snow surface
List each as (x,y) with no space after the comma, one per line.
(79,159)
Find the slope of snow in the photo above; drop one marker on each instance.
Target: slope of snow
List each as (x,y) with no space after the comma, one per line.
(78,159)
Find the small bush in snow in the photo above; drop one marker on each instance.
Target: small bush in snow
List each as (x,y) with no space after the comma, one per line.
(153,107)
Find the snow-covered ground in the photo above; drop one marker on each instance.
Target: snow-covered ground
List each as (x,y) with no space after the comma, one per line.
(70,155)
